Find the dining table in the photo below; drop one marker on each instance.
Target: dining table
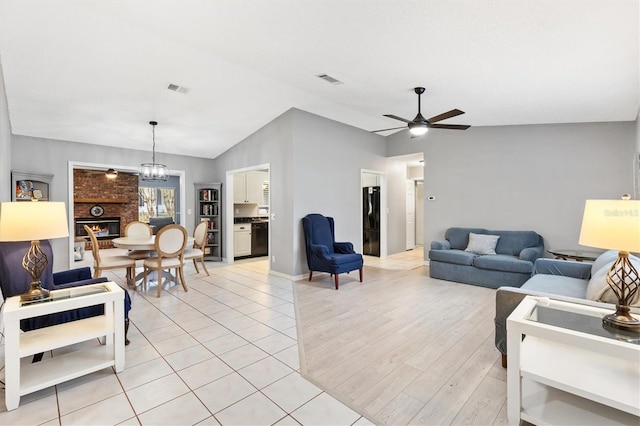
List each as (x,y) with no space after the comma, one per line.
(146,243)
(142,243)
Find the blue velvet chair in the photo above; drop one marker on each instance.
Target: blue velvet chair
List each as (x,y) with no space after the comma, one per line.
(14,280)
(324,254)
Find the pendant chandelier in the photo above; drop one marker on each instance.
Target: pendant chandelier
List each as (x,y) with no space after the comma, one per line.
(153,171)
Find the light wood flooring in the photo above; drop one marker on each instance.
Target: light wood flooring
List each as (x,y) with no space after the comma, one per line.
(401,347)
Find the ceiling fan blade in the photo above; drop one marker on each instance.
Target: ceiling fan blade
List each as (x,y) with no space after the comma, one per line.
(395,117)
(445,115)
(384,130)
(450,126)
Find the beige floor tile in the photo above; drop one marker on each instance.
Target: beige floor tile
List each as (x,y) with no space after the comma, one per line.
(86,390)
(185,410)
(243,356)
(253,410)
(210,332)
(205,372)
(209,421)
(225,343)
(249,308)
(153,394)
(291,392)
(197,324)
(255,332)
(140,355)
(266,314)
(238,323)
(188,357)
(287,421)
(281,323)
(325,410)
(34,412)
(224,392)
(275,343)
(164,333)
(175,344)
(265,372)
(290,356)
(110,411)
(144,373)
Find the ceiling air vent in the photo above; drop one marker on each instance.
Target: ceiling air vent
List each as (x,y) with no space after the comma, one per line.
(176,88)
(329,79)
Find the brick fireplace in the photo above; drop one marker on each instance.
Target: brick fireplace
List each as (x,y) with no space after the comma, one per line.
(117,197)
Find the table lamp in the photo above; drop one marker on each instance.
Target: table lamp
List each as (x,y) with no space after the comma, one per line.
(33,221)
(615,225)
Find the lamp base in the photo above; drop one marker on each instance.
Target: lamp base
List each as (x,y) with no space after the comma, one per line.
(35,292)
(622,320)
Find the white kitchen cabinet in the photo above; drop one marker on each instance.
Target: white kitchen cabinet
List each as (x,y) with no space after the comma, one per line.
(248,188)
(241,239)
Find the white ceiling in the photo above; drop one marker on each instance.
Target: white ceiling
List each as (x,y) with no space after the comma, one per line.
(97,71)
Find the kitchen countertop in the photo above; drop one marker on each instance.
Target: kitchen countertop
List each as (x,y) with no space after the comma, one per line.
(254,219)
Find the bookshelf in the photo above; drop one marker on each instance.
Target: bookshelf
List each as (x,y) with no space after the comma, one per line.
(209,209)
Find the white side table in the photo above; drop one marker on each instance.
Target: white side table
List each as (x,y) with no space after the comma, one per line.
(565,368)
(27,378)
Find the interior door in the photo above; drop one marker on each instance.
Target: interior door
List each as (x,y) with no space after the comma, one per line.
(411,215)
(419,213)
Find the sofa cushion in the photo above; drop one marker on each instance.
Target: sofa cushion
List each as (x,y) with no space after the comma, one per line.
(503,263)
(458,257)
(482,243)
(512,242)
(599,290)
(608,257)
(557,285)
(459,237)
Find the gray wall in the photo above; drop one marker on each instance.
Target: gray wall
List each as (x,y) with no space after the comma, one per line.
(271,144)
(50,156)
(315,167)
(5,144)
(327,161)
(522,177)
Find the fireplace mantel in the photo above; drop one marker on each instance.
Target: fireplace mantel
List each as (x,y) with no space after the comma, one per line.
(101,200)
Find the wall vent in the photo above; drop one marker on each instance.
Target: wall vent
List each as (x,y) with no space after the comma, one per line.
(176,88)
(329,79)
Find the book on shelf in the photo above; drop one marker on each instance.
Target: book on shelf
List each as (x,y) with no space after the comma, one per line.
(209,210)
(208,195)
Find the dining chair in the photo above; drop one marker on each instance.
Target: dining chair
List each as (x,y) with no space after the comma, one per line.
(109,262)
(170,243)
(138,229)
(197,252)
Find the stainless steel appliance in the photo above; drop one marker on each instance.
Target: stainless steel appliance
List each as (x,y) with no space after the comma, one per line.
(371,220)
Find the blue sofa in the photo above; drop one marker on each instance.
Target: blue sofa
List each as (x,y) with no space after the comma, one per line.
(512,265)
(569,281)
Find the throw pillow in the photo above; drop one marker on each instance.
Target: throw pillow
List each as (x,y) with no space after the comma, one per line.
(482,243)
(598,289)
(608,257)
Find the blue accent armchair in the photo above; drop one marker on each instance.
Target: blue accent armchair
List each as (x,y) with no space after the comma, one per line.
(14,280)
(324,254)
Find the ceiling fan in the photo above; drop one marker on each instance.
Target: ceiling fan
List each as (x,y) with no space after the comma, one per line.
(419,125)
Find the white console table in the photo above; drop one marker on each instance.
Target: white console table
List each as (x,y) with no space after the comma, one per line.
(23,378)
(565,368)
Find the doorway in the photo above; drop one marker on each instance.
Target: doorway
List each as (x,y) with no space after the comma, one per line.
(177,178)
(247,201)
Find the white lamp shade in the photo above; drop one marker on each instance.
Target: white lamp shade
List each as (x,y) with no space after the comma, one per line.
(611,225)
(33,220)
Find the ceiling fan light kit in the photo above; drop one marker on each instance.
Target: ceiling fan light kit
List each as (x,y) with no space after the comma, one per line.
(419,125)
(153,172)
